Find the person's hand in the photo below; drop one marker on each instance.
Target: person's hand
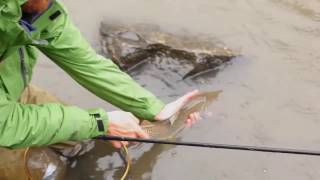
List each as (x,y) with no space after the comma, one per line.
(124,124)
(175,106)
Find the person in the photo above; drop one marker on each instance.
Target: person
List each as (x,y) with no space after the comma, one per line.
(27,26)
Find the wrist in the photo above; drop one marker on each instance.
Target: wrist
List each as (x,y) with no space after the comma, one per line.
(101,121)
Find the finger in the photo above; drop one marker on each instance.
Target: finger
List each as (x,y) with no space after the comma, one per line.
(124,143)
(142,134)
(137,133)
(193,118)
(194,121)
(116,144)
(130,135)
(194,93)
(191,94)
(199,117)
(196,116)
(188,123)
(187,97)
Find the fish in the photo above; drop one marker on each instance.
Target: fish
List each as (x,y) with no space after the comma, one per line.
(171,127)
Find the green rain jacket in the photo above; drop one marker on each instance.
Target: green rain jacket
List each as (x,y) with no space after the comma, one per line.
(53,33)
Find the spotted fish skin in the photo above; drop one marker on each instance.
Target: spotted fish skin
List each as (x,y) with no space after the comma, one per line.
(165,130)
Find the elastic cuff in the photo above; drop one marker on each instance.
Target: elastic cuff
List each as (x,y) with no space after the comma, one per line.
(99,122)
(154,109)
(102,122)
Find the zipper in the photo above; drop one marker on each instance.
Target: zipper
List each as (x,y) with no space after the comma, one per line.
(24,70)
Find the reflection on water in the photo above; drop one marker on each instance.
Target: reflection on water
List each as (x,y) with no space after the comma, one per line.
(109,165)
(270,97)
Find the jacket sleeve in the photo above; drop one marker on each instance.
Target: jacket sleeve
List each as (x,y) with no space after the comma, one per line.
(11,33)
(25,125)
(101,76)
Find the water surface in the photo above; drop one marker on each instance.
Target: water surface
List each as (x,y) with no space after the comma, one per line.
(270,97)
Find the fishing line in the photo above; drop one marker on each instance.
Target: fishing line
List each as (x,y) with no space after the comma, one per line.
(215,146)
(127,160)
(26,167)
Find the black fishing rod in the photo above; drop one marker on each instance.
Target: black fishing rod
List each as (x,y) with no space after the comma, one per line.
(211,145)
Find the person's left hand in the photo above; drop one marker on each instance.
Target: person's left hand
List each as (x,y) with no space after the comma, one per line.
(124,124)
(175,106)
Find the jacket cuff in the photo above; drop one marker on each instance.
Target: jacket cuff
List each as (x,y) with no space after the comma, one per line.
(150,112)
(101,121)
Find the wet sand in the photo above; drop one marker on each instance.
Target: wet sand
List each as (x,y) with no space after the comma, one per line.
(269,98)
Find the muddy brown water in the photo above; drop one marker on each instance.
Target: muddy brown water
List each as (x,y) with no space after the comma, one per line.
(270,97)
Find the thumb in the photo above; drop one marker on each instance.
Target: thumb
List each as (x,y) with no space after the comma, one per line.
(190,95)
(141,133)
(173,107)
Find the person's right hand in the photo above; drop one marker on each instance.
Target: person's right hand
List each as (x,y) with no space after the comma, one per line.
(124,124)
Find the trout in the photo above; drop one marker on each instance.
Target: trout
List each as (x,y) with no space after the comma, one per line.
(168,129)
